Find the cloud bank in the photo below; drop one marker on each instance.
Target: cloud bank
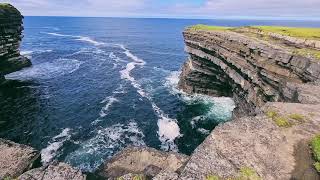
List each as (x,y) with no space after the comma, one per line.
(308,9)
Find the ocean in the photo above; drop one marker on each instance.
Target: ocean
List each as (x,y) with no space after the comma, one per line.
(98,85)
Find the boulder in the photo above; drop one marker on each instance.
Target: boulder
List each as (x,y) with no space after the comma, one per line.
(15,158)
(147,161)
(59,171)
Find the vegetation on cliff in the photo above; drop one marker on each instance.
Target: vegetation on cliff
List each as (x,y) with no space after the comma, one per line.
(315,145)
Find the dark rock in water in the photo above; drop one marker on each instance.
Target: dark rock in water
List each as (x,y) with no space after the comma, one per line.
(15,159)
(60,171)
(147,161)
(10,37)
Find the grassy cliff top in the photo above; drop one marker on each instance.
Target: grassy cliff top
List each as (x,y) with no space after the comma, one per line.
(6,8)
(299,32)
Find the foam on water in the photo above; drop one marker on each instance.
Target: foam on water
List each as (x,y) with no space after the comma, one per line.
(221,107)
(168,128)
(55,144)
(104,143)
(110,100)
(47,70)
(79,38)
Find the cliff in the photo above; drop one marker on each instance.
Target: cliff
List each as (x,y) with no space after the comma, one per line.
(274,80)
(251,67)
(10,37)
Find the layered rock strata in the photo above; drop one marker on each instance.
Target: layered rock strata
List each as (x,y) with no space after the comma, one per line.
(252,71)
(10,37)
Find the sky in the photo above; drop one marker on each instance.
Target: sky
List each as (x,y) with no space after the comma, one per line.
(242,9)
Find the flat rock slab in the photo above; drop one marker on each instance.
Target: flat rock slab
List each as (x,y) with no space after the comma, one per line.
(146,161)
(15,158)
(60,171)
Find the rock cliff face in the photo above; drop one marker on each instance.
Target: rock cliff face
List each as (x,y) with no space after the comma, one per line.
(251,70)
(10,37)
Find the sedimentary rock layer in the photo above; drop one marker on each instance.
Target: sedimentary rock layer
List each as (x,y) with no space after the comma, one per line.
(10,37)
(252,71)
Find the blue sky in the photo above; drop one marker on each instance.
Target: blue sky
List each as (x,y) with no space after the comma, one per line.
(261,9)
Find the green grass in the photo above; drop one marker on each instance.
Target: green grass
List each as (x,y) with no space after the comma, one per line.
(306,33)
(282,122)
(297,117)
(5,5)
(212,177)
(308,53)
(272,114)
(209,28)
(315,145)
(317,166)
(247,173)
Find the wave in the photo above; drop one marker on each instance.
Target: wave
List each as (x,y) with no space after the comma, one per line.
(79,38)
(168,128)
(104,144)
(220,107)
(111,100)
(47,70)
(51,151)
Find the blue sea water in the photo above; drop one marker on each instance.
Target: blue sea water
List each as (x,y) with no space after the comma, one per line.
(98,85)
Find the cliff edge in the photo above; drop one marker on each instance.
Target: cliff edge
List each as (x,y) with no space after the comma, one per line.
(274,79)
(10,38)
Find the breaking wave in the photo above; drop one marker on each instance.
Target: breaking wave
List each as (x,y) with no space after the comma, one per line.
(55,144)
(104,144)
(79,38)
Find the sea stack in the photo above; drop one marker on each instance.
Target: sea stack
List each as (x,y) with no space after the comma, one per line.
(11,27)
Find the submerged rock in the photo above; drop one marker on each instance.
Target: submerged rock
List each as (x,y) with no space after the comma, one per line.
(60,171)
(147,161)
(15,158)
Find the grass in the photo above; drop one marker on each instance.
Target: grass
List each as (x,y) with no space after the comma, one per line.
(317,166)
(299,32)
(297,117)
(315,145)
(272,114)
(247,173)
(282,122)
(308,53)
(208,28)
(211,177)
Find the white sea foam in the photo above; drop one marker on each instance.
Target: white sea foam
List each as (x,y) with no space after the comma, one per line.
(89,40)
(168,128)
(79,38)
(50,152)
(110,101)
(104,143)
(47,70)
(221,107)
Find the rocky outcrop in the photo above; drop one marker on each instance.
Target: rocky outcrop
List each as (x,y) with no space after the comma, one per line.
(251,70)
(10,37)
(59,171)
(16,159)
(147,161)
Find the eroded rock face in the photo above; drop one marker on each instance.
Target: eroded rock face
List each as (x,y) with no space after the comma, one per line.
(60,171)
(252,71)
(147,161)
(16,158)
(258,143)
(10,37)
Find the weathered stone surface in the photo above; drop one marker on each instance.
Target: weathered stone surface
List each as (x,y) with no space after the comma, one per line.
(60,171)
(166,175)
(146,161)
(257,142)
(252,71)
(10,37)
(16,159)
